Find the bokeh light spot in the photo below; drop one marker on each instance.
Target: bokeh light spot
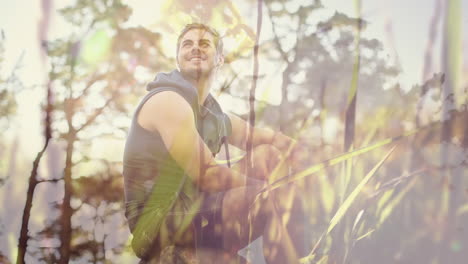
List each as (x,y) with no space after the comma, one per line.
(97,47)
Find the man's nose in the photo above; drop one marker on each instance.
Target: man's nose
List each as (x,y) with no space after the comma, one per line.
(195,48)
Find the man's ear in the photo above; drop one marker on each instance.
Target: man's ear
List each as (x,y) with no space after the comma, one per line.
(177,63)
(220,61)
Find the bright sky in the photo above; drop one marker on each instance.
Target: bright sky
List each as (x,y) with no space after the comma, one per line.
(19,21)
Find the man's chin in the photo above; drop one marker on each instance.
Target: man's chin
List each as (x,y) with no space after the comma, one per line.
(195,73)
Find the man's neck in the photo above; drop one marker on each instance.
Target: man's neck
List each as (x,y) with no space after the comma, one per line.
(203,86)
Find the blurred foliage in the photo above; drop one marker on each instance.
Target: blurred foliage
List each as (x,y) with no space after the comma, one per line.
(316,58)
(223,15)
(7,85)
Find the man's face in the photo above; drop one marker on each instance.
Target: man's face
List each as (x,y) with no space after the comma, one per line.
(197,55)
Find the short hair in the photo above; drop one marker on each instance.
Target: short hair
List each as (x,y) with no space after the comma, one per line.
(212,31)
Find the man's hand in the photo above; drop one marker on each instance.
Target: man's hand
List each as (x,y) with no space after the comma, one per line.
(299,157)
(265,160)
(296,153)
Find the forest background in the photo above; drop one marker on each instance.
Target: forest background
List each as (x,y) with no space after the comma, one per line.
(338,75)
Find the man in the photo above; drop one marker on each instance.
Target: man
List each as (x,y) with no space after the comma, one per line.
(176,193)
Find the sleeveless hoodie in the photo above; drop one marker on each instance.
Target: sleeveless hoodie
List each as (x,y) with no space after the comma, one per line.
(153,181)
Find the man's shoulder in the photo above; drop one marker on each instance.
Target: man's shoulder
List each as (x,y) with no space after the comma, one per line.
(167,98)
(163,109)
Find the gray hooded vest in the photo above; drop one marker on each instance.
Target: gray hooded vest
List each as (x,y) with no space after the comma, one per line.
(152,179)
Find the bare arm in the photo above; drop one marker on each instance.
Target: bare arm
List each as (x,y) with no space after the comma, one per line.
(168,114)
(296,154)
(241,132)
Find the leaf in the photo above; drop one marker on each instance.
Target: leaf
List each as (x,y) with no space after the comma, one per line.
(393,203)
(318,167)
(347,203)
(384,199)
(327,195)
(358,218)
(365,235)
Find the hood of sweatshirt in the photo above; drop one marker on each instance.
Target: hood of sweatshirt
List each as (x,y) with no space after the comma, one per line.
(175,80)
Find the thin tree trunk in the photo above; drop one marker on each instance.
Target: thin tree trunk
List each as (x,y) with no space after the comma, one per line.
(24,237)
(67,211)
(249,143)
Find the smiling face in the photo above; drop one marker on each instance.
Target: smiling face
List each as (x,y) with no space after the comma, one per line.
(197,56)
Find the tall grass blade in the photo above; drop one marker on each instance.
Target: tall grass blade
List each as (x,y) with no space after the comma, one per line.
(358,218)
(365,235)
(393,203)
(347,203)
(348,155)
